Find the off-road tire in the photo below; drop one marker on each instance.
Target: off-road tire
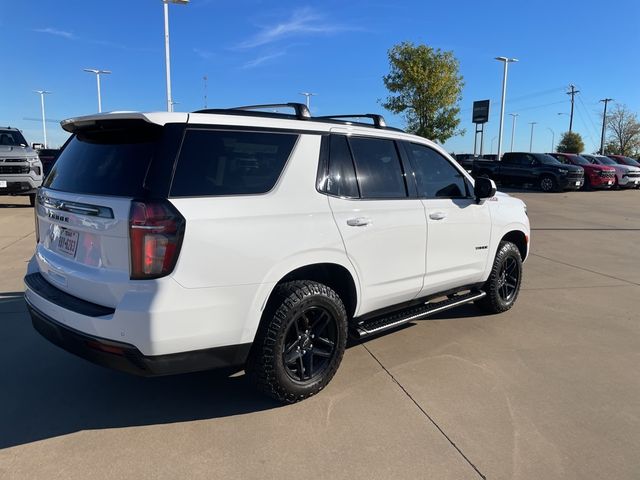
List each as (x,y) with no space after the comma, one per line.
(493,302)
(266,366)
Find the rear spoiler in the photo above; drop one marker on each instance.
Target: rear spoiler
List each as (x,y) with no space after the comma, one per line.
(110,120)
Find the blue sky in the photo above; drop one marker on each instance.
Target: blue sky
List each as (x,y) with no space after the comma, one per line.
(255,51)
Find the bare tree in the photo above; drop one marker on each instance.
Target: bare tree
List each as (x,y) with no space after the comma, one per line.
(624,131)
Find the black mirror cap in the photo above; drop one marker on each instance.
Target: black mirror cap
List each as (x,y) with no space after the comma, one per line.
(484,188)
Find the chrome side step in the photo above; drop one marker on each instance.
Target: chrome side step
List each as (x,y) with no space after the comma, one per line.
(380,324)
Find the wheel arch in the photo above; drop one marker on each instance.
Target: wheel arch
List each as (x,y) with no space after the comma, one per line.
(519,239)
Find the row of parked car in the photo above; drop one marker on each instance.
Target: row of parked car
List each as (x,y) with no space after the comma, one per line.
(556,171)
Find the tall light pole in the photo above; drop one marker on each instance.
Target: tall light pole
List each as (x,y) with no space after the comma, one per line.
(531,141)
(506,62)
(98,73)
(604,123)
(166,48)
(42,93)
(308,95)
(513,128)
(553,138)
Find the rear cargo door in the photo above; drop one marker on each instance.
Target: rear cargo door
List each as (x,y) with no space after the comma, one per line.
(83,208)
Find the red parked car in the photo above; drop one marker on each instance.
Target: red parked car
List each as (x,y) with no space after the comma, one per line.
(595,176)
(622,160)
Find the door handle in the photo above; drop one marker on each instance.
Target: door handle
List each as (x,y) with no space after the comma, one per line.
(437,216)
(359,222)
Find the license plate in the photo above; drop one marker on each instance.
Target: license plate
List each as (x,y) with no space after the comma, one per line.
(68,242)
(609,183)
(578,183)
(3,184)
(637,181)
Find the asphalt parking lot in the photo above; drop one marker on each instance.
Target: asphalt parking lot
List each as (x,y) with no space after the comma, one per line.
(551,389)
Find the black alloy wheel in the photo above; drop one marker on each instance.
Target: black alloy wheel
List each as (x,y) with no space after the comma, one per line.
(310,344)
(508,279)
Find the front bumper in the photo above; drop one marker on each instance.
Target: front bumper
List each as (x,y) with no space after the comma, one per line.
(567,183)
(19,185)
(629,182)
(598,181)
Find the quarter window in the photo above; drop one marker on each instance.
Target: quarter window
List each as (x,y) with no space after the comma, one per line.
(378,168)
(435,176)
(215,162)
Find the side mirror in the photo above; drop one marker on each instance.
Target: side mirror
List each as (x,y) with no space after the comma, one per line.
(484,188)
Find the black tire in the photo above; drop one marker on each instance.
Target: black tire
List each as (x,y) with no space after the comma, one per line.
(292,306)
(32,199)
(496,301)
(548,184)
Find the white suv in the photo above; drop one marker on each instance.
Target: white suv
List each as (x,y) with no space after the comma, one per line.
(176,242)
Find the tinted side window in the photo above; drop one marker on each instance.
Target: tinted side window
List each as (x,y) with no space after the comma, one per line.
(341,180)
(378,168)
(230,163)
(435,176)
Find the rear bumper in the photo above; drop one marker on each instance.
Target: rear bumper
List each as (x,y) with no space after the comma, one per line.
(127,358)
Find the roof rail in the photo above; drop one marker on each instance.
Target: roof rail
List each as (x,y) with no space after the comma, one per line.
(301,110)
(378,120)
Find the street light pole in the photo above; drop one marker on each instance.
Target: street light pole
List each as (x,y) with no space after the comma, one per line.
(604,123)
(531,141)
(98,72)
(506,62)
(492,140)
(513,128)
(42,93)
(166,48)
(553,138)
(308,96)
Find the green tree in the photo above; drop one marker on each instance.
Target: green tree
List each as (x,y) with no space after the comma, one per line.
(425,87)
(571,142)
(624,131)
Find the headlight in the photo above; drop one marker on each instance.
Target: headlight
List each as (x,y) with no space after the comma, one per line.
(32,159)
(562,171)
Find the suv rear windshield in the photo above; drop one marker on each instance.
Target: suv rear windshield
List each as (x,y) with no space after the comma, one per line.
(221,162)
(106,162)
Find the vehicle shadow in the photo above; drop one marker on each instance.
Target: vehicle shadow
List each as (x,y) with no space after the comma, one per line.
(47,392)
(15,205)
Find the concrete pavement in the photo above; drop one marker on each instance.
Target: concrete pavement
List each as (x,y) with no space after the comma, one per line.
(550,389)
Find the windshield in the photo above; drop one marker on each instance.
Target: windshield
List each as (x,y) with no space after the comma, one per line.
(12,138)
(631,161)
(581,160)
(606,161)
(548,160)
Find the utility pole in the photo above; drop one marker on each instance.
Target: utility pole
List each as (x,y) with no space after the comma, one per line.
(513,128)
(572,92)
(604,123)
(531,141)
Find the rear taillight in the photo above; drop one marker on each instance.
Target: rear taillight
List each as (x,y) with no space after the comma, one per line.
(156,229)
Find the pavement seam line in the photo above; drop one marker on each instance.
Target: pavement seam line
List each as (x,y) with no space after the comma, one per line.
(18,240)
(424,412)
(586,269)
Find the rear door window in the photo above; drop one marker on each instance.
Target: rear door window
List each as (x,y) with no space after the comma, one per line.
(378,168)
(341,180)
(219,162)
